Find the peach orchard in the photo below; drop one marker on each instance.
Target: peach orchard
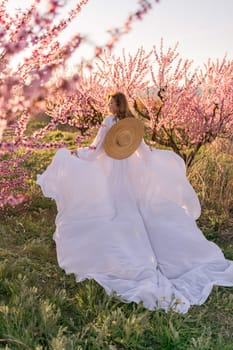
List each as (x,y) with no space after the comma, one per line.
(183,107)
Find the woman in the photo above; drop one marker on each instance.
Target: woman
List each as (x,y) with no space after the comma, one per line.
(130,224)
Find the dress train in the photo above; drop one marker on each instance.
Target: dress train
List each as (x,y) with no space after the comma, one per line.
(130,225)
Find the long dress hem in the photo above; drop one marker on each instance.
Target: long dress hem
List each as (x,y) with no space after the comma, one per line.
(130,225)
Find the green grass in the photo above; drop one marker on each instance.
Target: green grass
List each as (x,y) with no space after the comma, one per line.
(42,308)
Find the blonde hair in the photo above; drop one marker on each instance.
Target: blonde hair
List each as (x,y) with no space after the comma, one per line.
(123,110)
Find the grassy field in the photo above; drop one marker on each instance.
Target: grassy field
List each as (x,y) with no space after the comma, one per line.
(42,308)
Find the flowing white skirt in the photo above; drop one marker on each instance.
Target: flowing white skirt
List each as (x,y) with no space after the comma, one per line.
(130,225)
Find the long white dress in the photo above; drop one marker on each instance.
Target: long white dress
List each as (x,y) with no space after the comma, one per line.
(130,225)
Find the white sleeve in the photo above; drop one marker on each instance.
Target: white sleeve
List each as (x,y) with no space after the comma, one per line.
(96,147)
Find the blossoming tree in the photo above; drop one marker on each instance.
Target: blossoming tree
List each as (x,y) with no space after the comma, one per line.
(188,108)
(24,89)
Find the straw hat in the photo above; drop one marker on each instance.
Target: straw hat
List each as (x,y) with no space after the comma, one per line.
(123,138)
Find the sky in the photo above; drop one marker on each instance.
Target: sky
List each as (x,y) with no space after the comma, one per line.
(203,28)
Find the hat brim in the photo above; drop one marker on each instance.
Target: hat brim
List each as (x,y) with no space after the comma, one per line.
(134,128)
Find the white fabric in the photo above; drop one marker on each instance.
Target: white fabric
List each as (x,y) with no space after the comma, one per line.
(130,225)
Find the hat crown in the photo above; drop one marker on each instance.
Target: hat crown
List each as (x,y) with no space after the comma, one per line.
(124,138)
